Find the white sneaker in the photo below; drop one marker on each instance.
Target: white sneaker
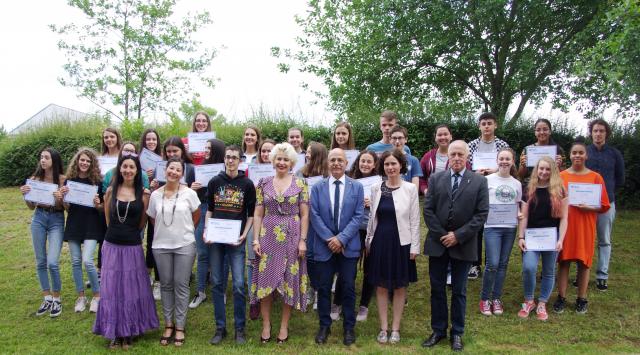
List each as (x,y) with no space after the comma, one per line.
(448,279)
(93,307)
(335,312)
(199,298)
(315,301)
(81,304)
(224,299)
(363,312)
(156,291)
(151,280)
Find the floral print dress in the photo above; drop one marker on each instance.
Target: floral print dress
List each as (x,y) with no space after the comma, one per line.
(279,268)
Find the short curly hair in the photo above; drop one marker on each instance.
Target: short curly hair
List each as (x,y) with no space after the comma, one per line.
(285,148)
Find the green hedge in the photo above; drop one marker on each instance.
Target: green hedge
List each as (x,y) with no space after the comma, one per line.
(19,154)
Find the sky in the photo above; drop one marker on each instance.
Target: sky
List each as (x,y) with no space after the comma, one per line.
(243,32)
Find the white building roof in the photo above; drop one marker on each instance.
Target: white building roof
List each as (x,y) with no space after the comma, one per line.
(50,113)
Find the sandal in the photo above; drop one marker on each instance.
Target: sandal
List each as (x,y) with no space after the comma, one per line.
(282,341)
(266,340)
(165,340)
(179,341)
(115,343)
(126,343)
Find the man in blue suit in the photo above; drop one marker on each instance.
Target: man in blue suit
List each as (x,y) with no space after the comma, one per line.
(337,206)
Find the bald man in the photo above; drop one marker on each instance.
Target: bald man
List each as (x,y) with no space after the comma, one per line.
(337,207)
(456,207)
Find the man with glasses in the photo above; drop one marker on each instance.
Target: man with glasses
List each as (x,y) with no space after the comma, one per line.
(231,196)
(399,137)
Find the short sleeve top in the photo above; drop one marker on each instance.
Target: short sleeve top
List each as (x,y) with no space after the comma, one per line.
(173,226)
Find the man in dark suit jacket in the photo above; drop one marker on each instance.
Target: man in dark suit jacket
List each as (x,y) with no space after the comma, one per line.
(337,207)
(456,207)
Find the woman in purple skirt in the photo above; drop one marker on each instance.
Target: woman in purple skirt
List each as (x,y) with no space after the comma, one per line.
(127,308)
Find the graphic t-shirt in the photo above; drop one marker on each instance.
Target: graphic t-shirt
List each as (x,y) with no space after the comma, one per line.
(503,191)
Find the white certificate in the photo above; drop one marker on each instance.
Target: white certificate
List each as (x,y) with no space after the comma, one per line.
(588,194)
(368,182)
(198,141)
(541,239)
(259,171)
(80,194)
(314,180)
(161,166)
(300,163)
(535,152)
(41,192)
(484,160)
(206,172)
(148,159)
(106,164)
(224,231)
(351,157)
(500,214)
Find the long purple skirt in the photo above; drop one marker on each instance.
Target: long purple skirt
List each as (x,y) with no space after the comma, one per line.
(126,307)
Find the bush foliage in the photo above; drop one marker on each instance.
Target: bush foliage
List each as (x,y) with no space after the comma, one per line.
(19,154)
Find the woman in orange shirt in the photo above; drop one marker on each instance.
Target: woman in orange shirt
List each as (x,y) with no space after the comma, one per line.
(581,231)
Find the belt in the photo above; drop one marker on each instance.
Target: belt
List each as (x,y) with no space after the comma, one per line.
(50,209)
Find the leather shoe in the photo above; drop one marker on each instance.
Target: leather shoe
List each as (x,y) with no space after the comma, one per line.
(433,340)
(220,334)
(322,335)
(349,337)
(456,343)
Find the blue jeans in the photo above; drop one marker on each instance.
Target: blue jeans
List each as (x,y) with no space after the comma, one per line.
(47,226)
(80,256)
(323,272)
(530,268)
(498,244)
(438,279)
(604,225)
(202,266)
(218,254)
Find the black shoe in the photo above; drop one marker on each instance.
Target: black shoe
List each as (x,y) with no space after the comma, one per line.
(581,305)
(349,337)
(601,285)
(220,334)
(433,340)
(322,335)
(240,337)
(456,343)
(282,341)
(559,304)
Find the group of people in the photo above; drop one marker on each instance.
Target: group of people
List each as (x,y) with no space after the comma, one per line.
(300,234)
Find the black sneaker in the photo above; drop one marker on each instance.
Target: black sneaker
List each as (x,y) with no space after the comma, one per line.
(581,305)
(45,307)
(601,285)
(56,309)
(241,337)
(559,304)
(220,334)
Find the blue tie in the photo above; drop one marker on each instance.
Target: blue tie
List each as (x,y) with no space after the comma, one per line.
(456,181)
(336,206)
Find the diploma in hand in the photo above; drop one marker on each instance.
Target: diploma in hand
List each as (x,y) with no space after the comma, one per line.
(500,214)
(535,152)
(224,231)
(259,171)
(485,160)
(148,159)
(198,141)
(368,182)
(351,157)
(80,194)
(206,172)
(541,239)
(106,164)
(314,180)
(587,194)
(41,192)
(300,163)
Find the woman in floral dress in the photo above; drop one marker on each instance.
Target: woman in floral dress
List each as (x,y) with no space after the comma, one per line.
(282,217)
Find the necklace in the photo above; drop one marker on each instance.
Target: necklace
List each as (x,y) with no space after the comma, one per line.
(173,211)
(126,212)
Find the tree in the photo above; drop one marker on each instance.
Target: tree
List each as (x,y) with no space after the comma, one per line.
(188,109)
(3,133)
(133,54)
(444,53)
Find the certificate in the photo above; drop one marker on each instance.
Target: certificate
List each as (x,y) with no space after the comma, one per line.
(161,166)
(106,164)
(500,214)
(535,152)
(259,171)
(368,182)
(205,172)
(351,157)
(314,180)
(484,160)
(80,194)
(148,159)
(588,194)
(41,192)
(198,141)
(541,239)
(224,231)
(300,163)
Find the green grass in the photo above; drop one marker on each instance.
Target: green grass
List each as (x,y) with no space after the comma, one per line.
(612,324)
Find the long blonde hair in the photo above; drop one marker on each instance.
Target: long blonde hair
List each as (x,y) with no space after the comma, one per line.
(556,188)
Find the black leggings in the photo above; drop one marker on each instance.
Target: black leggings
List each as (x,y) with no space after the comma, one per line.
(149,259)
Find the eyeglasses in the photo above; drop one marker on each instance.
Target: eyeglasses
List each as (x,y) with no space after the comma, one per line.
(398,138)
(231,157)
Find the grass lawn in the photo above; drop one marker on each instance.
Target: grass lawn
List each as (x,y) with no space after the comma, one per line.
(612,324)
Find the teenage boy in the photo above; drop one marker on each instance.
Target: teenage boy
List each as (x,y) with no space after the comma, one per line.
(399,137)
(486,143)
(296,139)
(231,196)
(388,120)
(606,161)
